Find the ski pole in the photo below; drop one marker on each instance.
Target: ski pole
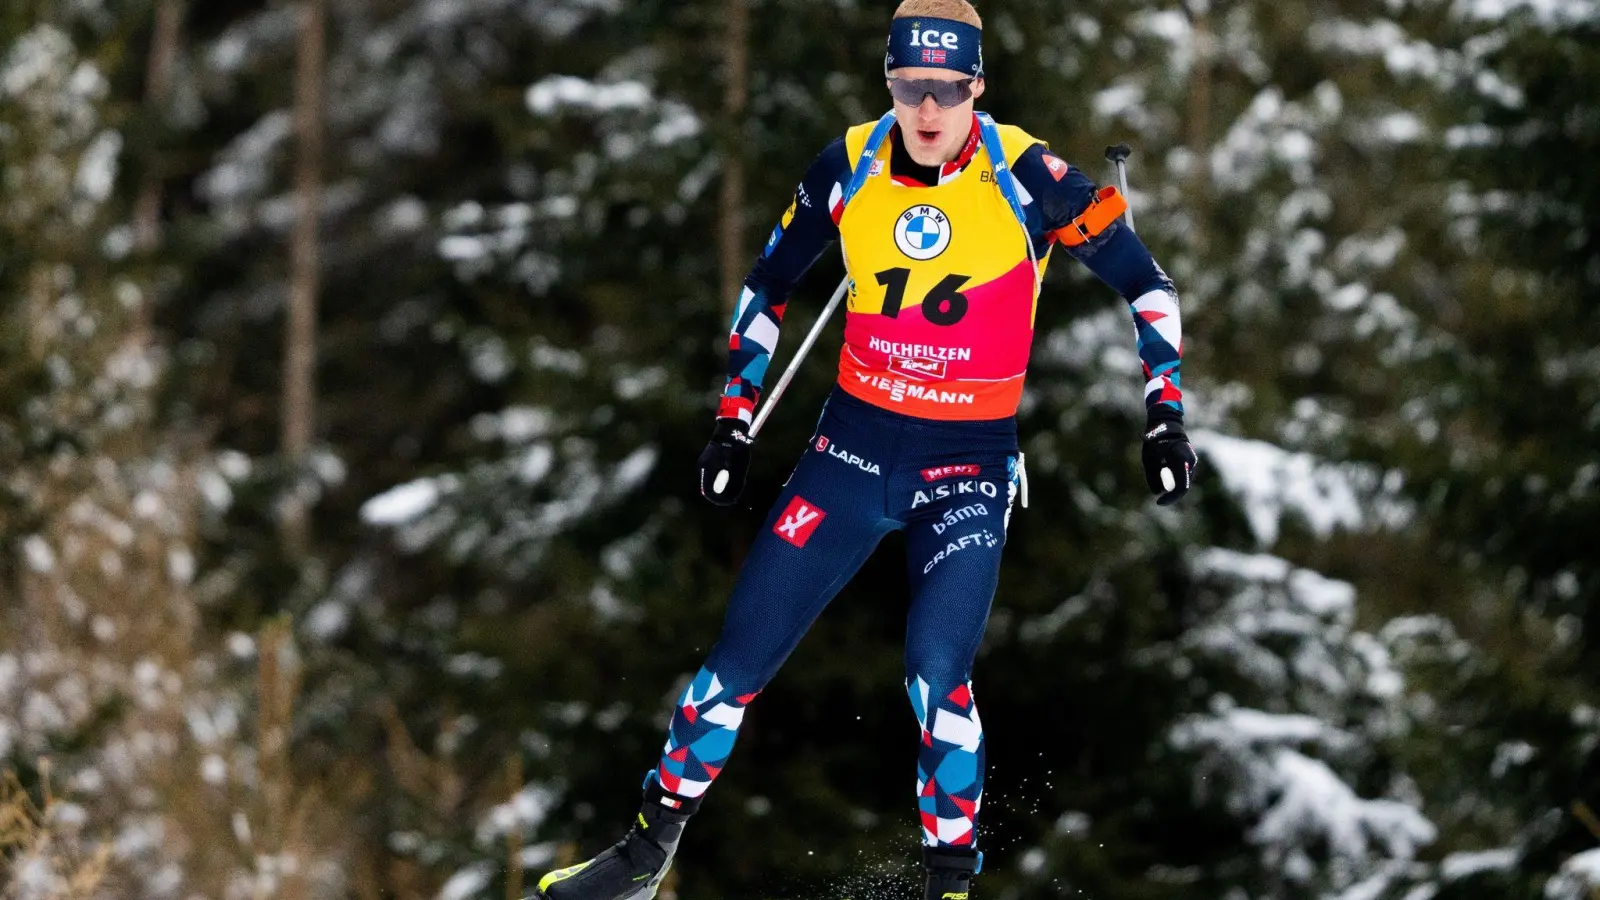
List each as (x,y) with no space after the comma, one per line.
(800,354)
(1118,154)
(721,481)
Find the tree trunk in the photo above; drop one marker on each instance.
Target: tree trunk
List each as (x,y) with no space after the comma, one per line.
(300,337)
(277,684)
(514,784)
(736,55)
(1199,115)
(158,88)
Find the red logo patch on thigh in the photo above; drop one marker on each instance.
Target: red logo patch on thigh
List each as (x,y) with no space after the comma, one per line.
(938,472)
(799,519)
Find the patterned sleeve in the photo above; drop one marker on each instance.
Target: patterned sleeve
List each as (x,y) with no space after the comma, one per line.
(807,228)
(1086,220)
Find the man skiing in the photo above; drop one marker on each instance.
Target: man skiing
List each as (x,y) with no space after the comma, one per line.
(947,222)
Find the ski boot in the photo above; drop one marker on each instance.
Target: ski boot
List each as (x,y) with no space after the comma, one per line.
(950,871)
(632,868)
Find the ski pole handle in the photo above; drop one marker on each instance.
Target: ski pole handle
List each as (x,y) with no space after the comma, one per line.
(794,365)
(1118,154)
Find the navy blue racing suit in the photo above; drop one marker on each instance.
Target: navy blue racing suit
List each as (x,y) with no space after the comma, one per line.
(869,471)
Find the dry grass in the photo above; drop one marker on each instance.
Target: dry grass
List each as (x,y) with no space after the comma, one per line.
(39,857)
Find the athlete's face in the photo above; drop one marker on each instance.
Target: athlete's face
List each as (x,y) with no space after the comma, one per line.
(934,134)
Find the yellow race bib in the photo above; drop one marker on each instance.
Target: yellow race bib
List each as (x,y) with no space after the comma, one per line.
(942,290)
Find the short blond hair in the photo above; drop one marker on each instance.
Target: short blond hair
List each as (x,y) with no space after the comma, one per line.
(959,10)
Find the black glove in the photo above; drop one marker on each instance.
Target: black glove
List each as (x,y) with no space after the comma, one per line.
(1167,452)
(727,453)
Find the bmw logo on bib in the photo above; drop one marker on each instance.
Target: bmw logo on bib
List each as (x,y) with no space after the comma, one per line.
(922,232)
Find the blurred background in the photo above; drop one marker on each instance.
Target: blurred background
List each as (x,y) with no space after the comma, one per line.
(355,356)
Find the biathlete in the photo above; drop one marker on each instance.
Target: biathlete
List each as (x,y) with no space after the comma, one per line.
(947,222)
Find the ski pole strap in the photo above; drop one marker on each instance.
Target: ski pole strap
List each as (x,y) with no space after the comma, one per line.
(1107,204)
(1002,172)
(869,152)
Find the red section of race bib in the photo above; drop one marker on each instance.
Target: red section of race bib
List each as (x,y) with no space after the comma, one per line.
(799,519)
(991,341)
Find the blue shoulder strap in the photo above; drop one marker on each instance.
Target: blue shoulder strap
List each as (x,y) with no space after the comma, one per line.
(990,136)
(1007,182)
(1002,172)
(869,152)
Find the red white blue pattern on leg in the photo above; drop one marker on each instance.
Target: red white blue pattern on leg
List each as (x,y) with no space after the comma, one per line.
(700,738)
(949,762)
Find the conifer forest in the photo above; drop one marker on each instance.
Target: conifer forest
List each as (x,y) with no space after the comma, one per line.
(355,357)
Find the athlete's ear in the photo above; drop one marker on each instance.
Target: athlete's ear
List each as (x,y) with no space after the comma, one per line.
(977,88)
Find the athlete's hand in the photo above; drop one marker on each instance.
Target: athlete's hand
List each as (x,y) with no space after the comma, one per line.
(725,461)
(1169,459)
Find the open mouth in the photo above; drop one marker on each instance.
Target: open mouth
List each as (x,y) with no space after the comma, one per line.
(929,136)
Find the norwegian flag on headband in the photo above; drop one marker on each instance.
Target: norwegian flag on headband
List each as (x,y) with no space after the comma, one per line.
(933,56)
